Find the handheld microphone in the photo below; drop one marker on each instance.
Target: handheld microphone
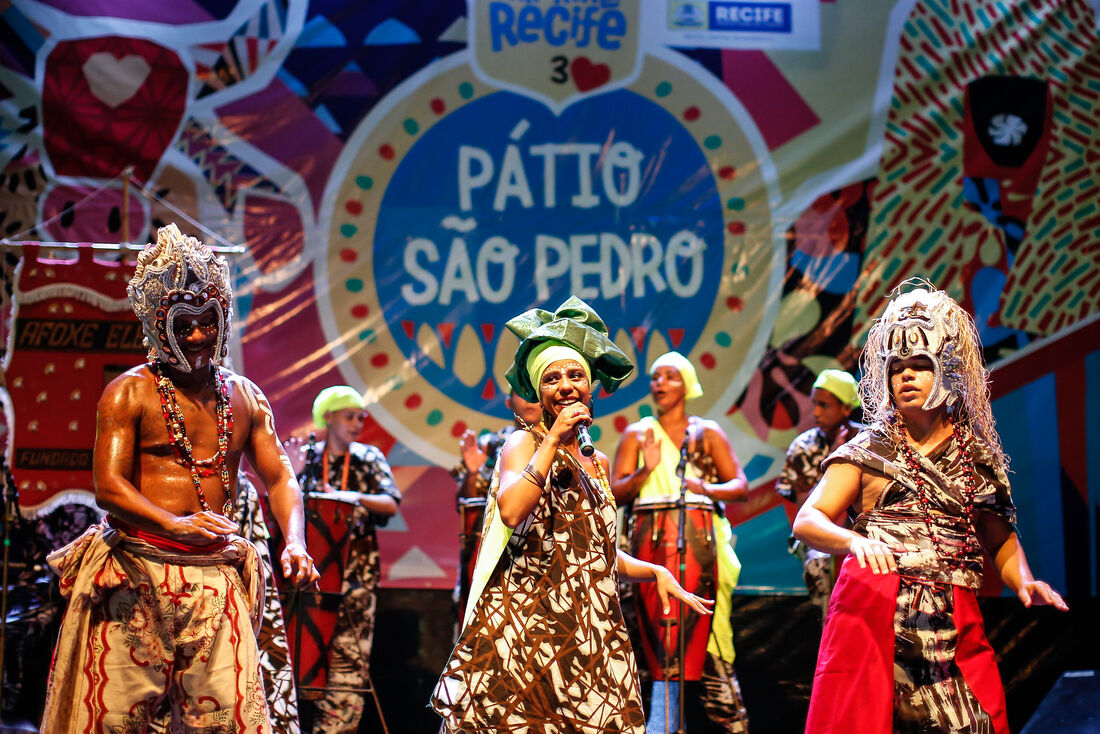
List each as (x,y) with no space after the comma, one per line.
(584,439)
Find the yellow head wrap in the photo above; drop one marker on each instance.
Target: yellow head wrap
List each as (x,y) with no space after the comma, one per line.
(681,364)
(548,353)
(841,384)
(335,398)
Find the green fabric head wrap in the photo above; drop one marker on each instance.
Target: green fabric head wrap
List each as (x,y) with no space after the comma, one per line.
(574,324)
(335,398)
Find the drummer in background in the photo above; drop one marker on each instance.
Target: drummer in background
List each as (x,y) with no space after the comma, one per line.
(473,474)
(479,453)
(835,395)
(357,473)
(645,470)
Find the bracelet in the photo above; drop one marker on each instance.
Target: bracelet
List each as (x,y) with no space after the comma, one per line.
(534,476)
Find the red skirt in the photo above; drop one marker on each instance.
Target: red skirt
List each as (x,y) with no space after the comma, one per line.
(854,681)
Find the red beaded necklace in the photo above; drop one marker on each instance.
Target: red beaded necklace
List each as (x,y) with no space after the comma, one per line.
(177,431)
(970,542)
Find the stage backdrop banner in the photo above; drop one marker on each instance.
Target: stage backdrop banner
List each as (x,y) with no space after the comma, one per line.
(72,332)
(406,176)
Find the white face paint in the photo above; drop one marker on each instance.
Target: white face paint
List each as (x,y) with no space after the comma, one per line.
(259,402)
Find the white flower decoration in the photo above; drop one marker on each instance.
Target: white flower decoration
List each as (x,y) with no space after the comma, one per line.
(1007,129)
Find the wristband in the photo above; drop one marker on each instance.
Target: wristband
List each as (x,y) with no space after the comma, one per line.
(534,476)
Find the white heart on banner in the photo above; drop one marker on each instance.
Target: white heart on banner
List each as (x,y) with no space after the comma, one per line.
(113,80)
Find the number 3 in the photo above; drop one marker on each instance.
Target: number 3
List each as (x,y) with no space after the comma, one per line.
(560,75)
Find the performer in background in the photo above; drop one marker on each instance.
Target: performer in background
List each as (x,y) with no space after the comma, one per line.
(645,474)
(356,473)
(473,474)
(835,395)
(904,648)
(276,664)
(479,453)
(163,596)
(545,647)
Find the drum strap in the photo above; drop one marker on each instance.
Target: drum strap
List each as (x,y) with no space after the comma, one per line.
(690,445)
(343,472)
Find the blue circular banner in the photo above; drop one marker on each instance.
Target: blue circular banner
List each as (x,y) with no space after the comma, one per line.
(613,201)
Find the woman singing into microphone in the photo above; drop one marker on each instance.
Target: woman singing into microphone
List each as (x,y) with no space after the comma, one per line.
(544,647)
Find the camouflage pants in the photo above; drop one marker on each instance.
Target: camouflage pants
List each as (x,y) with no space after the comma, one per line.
(817,572)
(722,696)
(338,712)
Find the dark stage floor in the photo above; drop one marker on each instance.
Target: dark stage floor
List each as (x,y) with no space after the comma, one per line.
(776,639)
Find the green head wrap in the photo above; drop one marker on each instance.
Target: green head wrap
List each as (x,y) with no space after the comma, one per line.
(335,398)
(575,325)
(841,385)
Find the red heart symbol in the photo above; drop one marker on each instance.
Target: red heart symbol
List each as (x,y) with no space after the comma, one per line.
(109,102)
(587,75)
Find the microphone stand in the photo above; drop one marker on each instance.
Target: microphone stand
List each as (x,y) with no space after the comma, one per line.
(681,556)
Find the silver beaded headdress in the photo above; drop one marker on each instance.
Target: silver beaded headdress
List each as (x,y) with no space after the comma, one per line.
(179,277)
(923,323)
(928,322)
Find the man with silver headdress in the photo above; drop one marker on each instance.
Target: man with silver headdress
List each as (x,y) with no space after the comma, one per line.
(164,596)
(904,648)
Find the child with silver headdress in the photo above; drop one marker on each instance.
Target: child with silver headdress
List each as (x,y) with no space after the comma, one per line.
(164,596)
(904,648)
